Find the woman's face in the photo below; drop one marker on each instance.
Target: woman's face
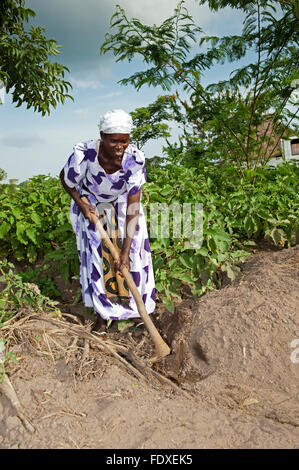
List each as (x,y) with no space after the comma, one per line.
(114,145)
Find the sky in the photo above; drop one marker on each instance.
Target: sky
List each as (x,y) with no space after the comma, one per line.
(31,144)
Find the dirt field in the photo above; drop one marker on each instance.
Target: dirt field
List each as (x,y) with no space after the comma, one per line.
(232,361)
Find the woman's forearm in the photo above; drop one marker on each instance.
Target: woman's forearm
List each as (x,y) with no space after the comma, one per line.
(71,191)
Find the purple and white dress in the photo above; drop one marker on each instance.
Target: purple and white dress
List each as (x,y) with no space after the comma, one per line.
(84,172)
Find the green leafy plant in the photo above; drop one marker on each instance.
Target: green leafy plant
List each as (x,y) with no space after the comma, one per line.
(34,222)
(16,294)
(34,217)
(235,215)
(44,282)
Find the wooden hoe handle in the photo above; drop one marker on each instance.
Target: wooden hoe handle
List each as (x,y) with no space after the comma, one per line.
(162,349)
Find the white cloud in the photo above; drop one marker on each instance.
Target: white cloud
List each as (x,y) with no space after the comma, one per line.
(82,112)
(18,140)
(85,83)
(149,11)
(156,11)
(95,109)
(113,94)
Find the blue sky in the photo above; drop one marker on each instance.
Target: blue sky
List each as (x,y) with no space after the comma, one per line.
(31,144)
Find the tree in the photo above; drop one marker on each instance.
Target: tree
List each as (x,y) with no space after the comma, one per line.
(3,175)
(226,116)
(26,67)
(244,4)
(148,121)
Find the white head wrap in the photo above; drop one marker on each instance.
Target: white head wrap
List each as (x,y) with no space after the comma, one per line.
(116,121)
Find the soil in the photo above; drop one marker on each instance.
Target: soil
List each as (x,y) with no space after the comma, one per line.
(232,360)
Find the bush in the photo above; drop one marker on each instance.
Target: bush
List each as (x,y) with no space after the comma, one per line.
(34,221)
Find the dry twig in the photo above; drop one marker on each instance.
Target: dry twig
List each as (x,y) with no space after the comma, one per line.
(141,369)
(8,390)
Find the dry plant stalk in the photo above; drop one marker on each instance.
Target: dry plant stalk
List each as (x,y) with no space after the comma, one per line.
(141,369)
(8,390)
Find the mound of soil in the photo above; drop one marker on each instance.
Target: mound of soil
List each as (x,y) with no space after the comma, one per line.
(237,341)
(231,351)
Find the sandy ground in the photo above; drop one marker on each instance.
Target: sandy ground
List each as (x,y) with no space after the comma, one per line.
(232,354)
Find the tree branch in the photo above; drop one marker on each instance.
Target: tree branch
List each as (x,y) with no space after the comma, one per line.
(256,83)
(278,140)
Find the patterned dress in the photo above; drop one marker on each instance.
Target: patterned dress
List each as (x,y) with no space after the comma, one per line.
(84,172)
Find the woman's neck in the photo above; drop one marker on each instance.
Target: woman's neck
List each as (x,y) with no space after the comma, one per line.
(106,162)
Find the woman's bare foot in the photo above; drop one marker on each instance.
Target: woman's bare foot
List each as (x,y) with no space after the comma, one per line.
(99,324)
(138,322)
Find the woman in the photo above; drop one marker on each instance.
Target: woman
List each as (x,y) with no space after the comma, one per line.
(109,173)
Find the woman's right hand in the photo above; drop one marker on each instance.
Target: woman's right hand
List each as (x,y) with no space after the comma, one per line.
(87,210)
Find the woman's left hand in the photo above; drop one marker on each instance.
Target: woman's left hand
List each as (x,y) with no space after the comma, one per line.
(122,262)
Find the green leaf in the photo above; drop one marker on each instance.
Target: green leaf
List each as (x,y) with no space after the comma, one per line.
(167,190)
(159,287)
(249,225)
(36,218)
(31,253)
(21,228)
(158,262)
(223,236)
(212,245)
(223,246)
(171,263)
(249,243)
(183,277)
(187,259)
(4,229)
(173,291)
(278,236)
(123,325)
(221,257)
(203,251)
(233,272)
(168,304)
(31,234)
(16,212)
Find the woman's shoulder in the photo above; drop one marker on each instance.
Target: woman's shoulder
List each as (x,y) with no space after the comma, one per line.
(85,145)
(136,154)
(85,150)
(134,159)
